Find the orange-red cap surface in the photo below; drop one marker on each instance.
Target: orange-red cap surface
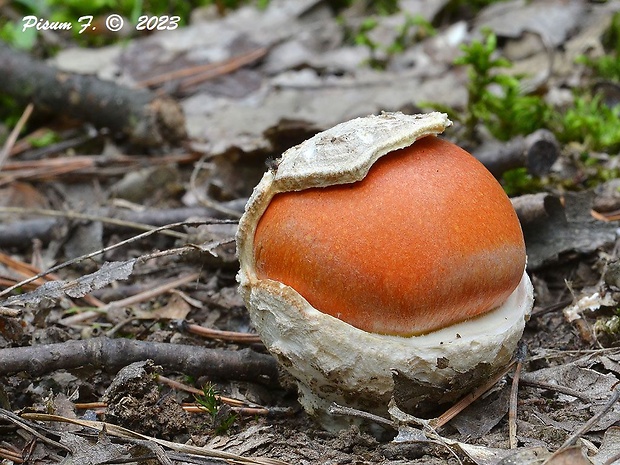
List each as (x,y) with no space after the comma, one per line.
(427,239)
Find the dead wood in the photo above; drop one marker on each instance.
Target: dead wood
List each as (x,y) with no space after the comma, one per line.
(113,354)
(142,116)
(534,209)
(20,234)
(536,152)
(556,231)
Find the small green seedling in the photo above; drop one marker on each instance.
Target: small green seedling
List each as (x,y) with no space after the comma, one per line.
(220,418)
(495,99)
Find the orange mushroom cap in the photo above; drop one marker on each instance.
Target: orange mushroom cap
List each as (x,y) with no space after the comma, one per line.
(426,240)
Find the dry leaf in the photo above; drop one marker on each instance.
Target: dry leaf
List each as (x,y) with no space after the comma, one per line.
(571,456)
(176,309)
(54,290)
(610,448)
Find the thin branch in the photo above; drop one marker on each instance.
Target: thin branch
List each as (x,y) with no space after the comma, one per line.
(151,293)
(85,216)
(112,354)
(336,409)
(31,428)
(207,71)
(528,380)
(115,246)
(230,336)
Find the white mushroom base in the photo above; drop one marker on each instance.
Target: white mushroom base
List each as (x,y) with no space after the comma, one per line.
(336,362)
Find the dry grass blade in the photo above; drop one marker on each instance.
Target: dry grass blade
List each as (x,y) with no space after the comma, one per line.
(99,166)
(514,391)
(119,431)
(152,293)
(184,387)
(606,216)
(210,70)
(26,271)
(23,269)
(13,456)
(47,172)
(15,133)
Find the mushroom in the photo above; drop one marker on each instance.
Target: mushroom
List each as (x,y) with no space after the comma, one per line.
(376,248)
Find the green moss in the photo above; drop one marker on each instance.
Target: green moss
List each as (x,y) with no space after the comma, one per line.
(591,122)
(518,181)
(607,66)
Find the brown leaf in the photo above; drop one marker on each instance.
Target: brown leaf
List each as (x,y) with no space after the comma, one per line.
(176,309)
(571,456)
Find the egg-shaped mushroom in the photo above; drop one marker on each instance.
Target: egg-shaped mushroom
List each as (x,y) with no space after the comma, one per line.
(376,246)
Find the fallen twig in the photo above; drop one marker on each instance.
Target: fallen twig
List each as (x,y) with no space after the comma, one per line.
(462,404)
(196,74)
(31,428)
(527,380)
(144,117)
(26,270)
(20,234)
(86,166)
(113,354)
(197,392)
(73,215)
(11,455)
(537,151)
(536,209)
(131,300)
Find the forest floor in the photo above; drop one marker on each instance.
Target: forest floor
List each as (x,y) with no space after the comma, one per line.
(124,340)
